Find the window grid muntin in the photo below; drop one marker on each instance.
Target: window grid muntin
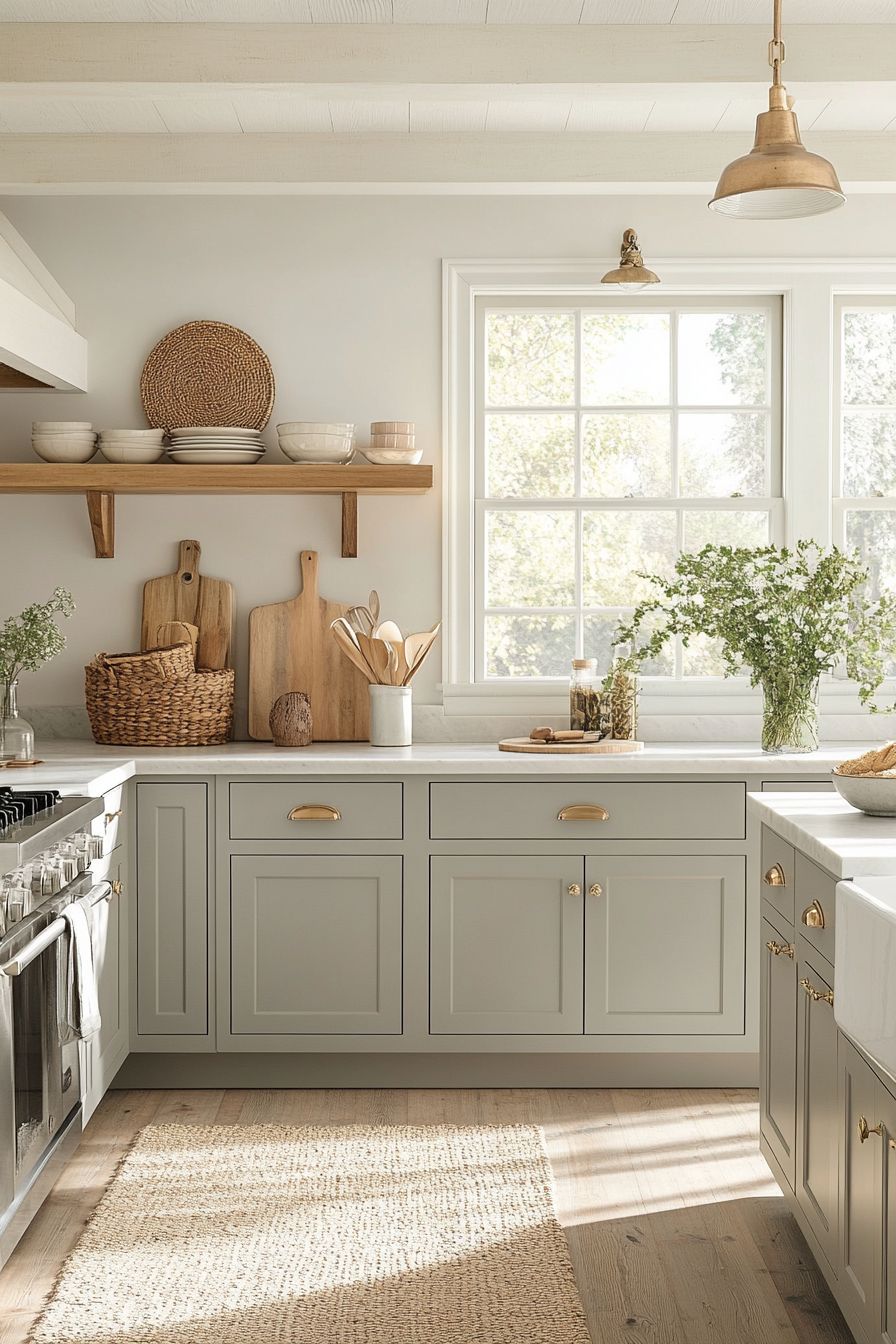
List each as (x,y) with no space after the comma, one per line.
(770,504)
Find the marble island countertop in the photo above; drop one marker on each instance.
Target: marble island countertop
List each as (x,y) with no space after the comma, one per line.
(79,766)
(827,830)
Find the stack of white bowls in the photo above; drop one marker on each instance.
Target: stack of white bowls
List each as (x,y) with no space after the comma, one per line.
(317,441)
(136,446)
(215,445)
(63,440)
(393,443)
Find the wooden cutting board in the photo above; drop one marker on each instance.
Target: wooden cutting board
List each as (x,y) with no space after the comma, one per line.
(291,648)
(608,747)
(186,596)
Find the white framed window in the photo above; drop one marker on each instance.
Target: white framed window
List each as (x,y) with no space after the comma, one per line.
(865,433)
(608,437)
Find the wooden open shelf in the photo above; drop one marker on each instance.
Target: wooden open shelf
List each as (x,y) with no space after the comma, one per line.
(102,481)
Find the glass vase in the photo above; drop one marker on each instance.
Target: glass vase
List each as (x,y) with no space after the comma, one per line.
(789,713)
(625,691)
(16,734)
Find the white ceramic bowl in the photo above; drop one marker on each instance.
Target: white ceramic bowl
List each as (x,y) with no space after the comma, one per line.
(63,450)
(392,427)
(383,441)
(292,427)
(131,453)
(391,457)
(59,426)
(50,439)
(138,435)
(877,797)
(337,455)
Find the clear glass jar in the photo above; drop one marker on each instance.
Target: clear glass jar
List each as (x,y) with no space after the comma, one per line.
(624,691)
(589,706)
(16,734)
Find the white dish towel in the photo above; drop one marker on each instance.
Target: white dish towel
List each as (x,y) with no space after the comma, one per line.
(81,1017)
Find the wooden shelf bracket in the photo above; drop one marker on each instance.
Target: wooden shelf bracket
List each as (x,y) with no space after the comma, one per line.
(350,525)
(101,510)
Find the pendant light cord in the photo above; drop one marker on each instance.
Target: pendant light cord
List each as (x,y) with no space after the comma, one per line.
(776,49)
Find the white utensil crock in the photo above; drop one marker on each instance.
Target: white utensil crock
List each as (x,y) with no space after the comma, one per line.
(390,716)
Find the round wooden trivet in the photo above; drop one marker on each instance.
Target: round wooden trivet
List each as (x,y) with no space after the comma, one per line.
(609,747)
(207,373)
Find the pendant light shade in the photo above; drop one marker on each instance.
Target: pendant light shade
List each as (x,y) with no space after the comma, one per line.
(631,273)
(779,178)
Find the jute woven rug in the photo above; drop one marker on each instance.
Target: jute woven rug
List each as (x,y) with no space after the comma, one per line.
(350,1234)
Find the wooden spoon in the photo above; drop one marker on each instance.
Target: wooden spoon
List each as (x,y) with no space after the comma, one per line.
(376,653)
(345,638)
(417,647)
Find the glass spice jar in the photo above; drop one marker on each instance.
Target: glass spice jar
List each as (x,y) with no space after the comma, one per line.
(589,708)
(624,693)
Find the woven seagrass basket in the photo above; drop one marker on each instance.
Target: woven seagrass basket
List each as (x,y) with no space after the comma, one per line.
(158,699)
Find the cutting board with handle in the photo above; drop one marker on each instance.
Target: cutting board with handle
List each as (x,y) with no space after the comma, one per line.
(186,596)
(291,648)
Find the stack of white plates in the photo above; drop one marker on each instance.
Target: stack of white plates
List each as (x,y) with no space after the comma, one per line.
(218,445)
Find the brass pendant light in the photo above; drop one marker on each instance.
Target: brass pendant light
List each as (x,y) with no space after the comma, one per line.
(779,178)
(631,273)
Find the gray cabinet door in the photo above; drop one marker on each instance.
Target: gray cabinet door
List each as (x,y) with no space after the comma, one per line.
(777,1034)
(102,1055)
(817,1116)
(664,945)
(860,1211)
(886,1113)
(506,945)
(315,944)
(172,909)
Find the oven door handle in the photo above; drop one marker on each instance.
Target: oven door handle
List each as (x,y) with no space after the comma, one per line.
(103,892)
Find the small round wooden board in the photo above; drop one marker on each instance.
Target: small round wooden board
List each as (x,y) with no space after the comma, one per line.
(608,747)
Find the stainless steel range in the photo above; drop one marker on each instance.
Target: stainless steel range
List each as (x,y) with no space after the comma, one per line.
(46,850)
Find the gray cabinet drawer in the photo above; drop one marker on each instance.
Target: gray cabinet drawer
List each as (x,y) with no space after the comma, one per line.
(363,811)
(635,811)
(778,873)
(815,900)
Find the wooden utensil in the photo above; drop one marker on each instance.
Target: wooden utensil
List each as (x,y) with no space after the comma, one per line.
(291,648)
(347,641)
(177,632)
(416,647)
(188,597)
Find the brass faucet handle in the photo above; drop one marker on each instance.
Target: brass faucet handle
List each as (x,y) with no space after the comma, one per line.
(813,916)
(865,1129)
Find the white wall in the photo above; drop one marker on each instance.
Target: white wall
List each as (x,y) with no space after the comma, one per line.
(344,295)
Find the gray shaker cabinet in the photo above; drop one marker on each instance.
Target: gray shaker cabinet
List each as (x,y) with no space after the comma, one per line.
(664,945)
(817,1138)
(172,909)
(506,945)
(315,944)
(777,1032)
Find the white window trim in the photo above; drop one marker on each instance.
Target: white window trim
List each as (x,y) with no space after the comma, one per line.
(808,290)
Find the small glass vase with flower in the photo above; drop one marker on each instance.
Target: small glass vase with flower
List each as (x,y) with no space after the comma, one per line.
(27,642)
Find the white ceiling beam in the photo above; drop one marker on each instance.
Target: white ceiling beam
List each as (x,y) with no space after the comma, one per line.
(33,164)
(433,54)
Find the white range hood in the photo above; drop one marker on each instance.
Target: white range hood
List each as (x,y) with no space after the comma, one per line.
(39,346)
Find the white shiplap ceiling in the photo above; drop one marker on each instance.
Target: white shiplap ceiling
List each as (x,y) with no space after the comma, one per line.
(444,11)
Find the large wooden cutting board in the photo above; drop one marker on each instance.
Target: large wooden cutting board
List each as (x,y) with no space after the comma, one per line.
(187,596)
(291,648)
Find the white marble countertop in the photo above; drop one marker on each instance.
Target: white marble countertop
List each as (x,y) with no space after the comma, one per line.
(84,767)
(827,830)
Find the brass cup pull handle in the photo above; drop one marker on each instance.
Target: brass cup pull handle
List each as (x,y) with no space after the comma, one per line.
(816,995)
(813,916)
(778,948)
(583,812)
(314,812)
(775,876)
(865,1129)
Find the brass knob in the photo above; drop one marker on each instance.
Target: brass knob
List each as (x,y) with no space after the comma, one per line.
(775,876)
(314,812)
(574,889)
(813,916)
(777,948)
(864,1129)
(110,816)
(583,812)
(816,995)
(595,889)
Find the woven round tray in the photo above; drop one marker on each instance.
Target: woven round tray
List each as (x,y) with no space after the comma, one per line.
(207,373)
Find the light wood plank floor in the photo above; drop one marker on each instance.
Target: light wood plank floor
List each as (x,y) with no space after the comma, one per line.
(675,1226)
